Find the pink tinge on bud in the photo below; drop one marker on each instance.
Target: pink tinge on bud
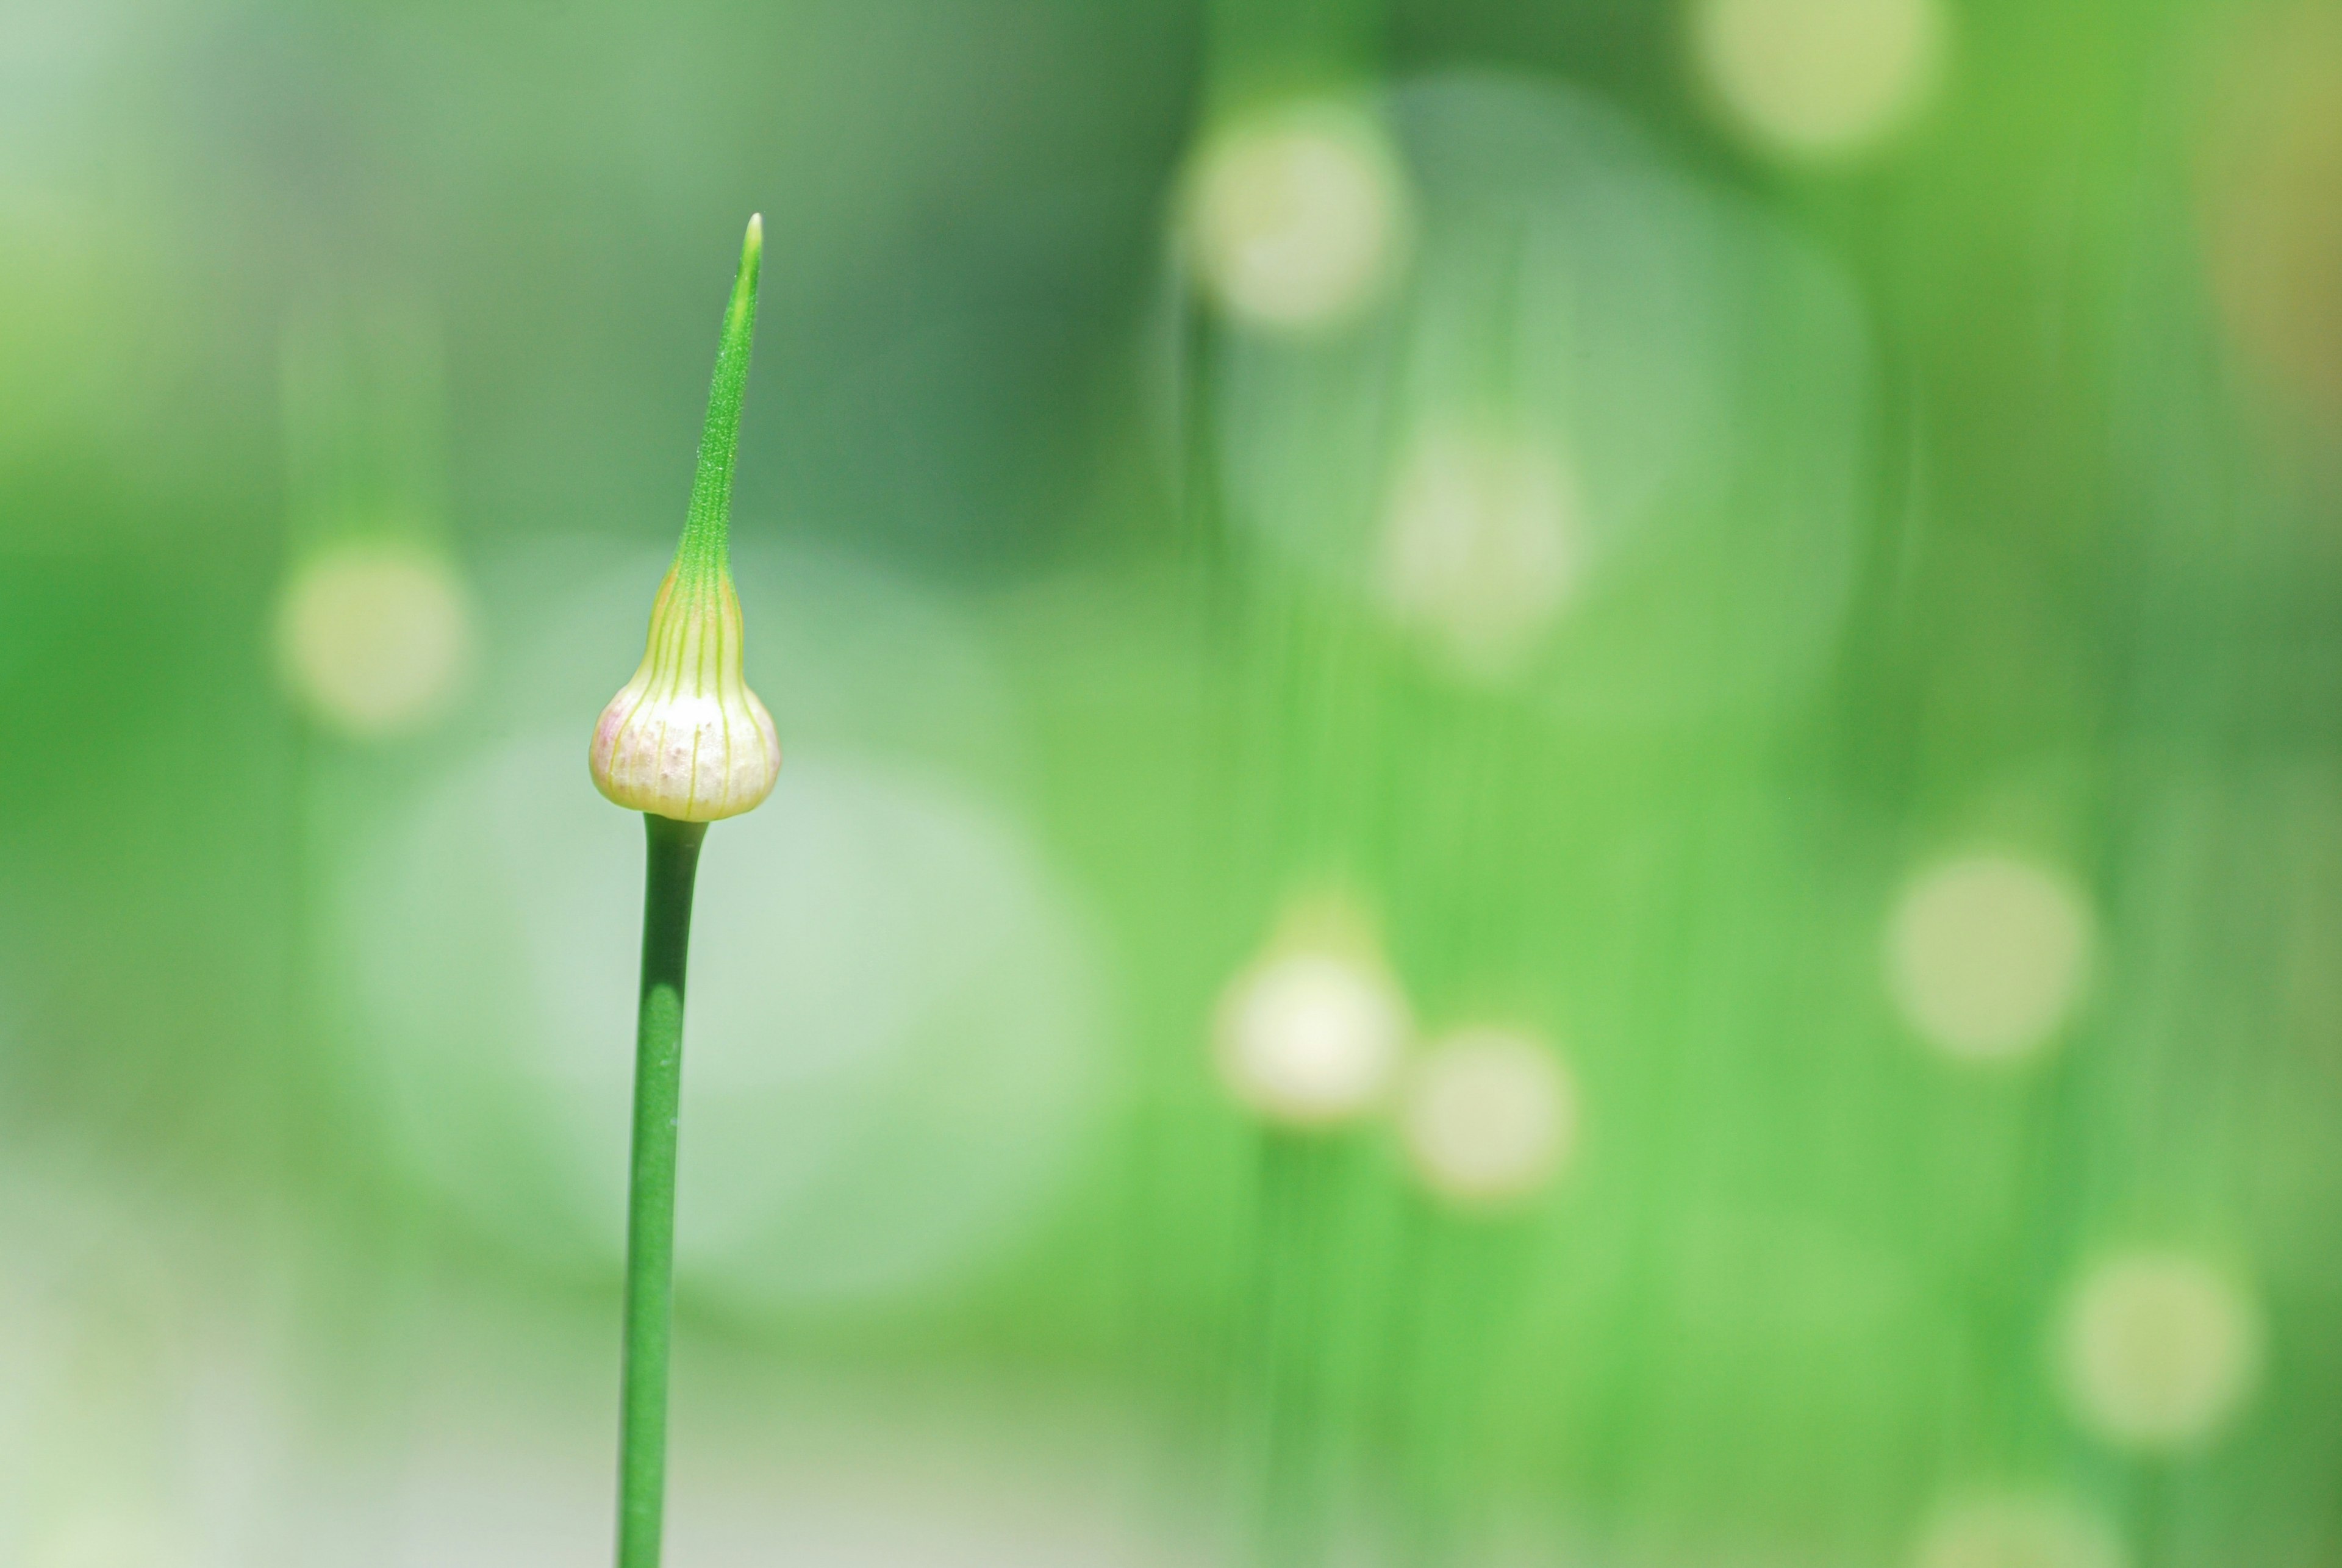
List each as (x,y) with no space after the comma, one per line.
(686,738)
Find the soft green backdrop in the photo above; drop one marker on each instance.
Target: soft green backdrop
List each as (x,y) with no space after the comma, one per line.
(1965,483)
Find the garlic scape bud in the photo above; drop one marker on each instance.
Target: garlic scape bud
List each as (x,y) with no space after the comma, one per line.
(686,738)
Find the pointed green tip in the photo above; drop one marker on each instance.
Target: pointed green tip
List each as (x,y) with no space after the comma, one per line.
(752,255)
(705,534)
(743,282)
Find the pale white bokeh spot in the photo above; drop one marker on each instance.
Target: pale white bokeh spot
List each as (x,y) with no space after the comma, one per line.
(1480,547)
(1987,955)
(895,1040)
(1488,1115)
(2158,1350)
(1819,79)
(2019,1530)
(374,637)
(1311,1039)
(1297,218)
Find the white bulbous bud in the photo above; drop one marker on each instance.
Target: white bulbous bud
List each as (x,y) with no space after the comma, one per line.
(686,738)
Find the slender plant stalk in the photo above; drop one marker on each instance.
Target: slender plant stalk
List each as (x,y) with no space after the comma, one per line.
(1297,1178)
(687,700)
(650,1215)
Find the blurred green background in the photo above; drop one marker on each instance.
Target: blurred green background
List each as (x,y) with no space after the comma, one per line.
(1563,781)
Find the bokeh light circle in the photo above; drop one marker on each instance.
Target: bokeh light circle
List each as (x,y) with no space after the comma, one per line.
(1488,1115)
(1987,955)
(1311,1039)
(1480,549)
(1296,216)
(374,637)
(1818,79)
(2158,1350)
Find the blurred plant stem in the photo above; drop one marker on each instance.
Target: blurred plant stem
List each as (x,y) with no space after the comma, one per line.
(1296,1174)
(1286,46)
(674,864)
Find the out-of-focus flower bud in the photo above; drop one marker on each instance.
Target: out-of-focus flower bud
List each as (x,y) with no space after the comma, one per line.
(1312,1032)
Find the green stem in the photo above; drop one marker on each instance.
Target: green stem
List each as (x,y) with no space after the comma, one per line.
(1297,1172)
(673,864)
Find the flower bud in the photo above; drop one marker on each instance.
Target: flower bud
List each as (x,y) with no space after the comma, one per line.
(686,738)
